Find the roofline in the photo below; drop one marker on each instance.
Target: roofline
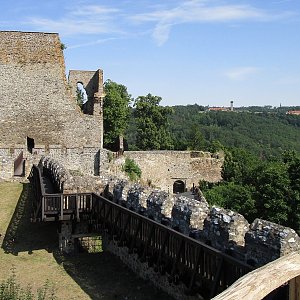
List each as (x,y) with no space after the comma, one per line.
(29,31)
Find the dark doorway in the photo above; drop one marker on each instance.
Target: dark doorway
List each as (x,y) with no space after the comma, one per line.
(30,144)
(178,187)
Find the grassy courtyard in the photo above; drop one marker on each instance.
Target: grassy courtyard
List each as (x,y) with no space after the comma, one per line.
(31,249)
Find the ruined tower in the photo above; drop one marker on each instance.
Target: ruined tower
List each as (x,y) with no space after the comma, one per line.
(37,109)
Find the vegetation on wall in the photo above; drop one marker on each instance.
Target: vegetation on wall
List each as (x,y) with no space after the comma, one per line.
(131,169)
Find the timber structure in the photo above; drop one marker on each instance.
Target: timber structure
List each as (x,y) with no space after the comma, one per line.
(202,269)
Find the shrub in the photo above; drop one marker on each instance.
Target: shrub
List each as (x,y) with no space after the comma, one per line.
(10,289)
(131,169)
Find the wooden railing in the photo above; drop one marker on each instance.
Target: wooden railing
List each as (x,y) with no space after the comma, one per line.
(201,268)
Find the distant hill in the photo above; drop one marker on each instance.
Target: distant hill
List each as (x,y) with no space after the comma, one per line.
(263,131)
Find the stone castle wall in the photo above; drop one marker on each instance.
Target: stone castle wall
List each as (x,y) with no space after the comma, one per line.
(163,168)
(36,101)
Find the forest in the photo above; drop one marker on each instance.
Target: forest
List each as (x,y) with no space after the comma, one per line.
(261,146)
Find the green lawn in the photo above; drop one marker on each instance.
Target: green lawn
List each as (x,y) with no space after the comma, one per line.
(31,248)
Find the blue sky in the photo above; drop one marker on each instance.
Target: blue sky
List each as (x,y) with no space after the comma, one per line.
(196,51)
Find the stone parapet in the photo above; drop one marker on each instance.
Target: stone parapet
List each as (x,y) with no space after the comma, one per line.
(188,214)
(223,229)
(265,237)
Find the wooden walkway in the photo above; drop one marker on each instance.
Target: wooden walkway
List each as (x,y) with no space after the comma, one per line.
(202,269)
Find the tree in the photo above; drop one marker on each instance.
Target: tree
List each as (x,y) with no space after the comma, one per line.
(272,192)
(197,141)
(233,196)
(115,111)
(152,123)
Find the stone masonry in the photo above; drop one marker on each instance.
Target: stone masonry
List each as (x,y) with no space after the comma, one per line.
(38,105)
(163,168)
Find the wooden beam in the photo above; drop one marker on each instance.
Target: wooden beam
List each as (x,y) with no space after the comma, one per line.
(261,282)
(294,288)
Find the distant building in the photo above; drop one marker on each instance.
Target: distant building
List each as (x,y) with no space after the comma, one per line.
(218,109)
(293,112)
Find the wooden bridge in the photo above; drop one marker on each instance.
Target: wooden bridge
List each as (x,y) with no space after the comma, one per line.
(202,269)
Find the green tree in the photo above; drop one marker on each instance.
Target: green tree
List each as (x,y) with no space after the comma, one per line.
(197,141)
(272,192)
(235,197)
(239,165)
(152,124)
(115,111)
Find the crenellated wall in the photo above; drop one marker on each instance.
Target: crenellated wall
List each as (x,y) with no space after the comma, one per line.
(226,230)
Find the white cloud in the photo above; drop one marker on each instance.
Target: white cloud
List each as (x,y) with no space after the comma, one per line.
(199,11)
(241,73)
(67,26)
(92,10)
(88,19)
(91,43)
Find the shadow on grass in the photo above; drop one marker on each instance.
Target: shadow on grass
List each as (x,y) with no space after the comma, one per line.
(100,275)
(104,276)
(25,236)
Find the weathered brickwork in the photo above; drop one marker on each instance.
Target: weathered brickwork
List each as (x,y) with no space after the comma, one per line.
(93,84)
(36,101)
(163,168)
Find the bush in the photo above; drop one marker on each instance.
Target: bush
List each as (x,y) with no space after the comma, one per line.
(10,289)
(132,169)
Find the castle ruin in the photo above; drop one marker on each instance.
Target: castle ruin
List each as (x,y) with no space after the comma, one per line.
(39,114)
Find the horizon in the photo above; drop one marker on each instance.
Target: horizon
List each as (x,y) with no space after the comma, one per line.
(190,51)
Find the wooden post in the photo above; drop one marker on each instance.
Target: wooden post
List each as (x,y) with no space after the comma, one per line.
(43,208)
(61,207)
(77,207)
(294,288)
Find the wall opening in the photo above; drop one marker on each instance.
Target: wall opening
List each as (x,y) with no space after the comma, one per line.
(30,144)
(178,187)
(19,165)
(89,244)
(82,98)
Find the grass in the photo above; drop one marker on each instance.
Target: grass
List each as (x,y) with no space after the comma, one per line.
(31,249)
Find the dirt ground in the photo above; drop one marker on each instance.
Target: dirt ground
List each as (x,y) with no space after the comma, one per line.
(31,249)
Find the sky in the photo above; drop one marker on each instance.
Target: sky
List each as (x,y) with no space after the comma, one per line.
(208,52)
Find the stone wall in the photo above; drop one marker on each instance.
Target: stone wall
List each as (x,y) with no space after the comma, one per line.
(36,101)
(226,230)
(163,168)
(93,84)
(223,229)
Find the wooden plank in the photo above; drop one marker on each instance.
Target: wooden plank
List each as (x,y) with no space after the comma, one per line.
(294,288)
(215,284)
(261,282)
(61,207)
